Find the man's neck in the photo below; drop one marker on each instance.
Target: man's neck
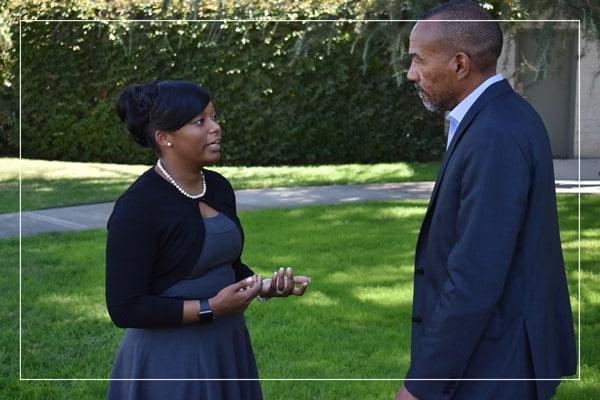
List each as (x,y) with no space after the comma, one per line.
(475,82)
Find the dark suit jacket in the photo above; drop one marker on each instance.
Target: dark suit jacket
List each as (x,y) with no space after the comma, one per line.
(490,291)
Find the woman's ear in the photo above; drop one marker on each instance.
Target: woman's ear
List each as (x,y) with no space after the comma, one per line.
(163,139)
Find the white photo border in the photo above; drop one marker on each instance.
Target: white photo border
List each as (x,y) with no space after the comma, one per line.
(578,378)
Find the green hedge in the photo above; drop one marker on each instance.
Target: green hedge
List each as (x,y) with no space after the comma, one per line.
(286,92)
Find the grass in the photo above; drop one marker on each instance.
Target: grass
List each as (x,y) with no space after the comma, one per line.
(353,323)
(49,184)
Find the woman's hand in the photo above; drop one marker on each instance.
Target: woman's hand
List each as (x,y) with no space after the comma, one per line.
(235,298)
(284,283)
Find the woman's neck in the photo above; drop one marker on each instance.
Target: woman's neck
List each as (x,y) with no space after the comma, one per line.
(186,176)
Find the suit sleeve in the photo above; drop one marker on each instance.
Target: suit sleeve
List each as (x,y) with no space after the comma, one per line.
(493,201)
(130,252)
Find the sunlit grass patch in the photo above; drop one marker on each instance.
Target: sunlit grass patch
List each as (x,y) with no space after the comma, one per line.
(354,321)
(47,184)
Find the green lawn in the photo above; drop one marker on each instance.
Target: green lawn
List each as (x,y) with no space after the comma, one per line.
(49,184)
(353,323)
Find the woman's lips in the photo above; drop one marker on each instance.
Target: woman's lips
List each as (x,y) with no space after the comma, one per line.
(214,146)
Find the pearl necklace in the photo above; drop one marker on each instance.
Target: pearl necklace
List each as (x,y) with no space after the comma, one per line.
(183,192)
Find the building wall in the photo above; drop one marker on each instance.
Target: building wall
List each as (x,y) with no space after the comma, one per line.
(590,101)
(590,95)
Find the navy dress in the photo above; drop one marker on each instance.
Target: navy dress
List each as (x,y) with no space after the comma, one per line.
(198,361)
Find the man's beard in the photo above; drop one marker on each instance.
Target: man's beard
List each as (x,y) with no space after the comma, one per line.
(443,104)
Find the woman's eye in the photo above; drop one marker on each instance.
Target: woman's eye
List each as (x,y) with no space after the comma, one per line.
(199,122)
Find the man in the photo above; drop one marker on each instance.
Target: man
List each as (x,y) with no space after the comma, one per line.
(490,291)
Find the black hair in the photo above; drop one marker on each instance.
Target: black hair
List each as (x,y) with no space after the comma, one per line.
(159,105)
(481,40)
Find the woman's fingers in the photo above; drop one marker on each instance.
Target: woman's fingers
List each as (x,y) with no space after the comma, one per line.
(280,282)
(250,293)
(266,286)
(246,296)
(273,286)
(283,283)
(243,284)
(257,286)
(236,297)
(289,281)
(301,279)
(246,287)
(300,285)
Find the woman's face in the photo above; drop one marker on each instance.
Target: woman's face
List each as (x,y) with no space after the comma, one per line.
(198,141)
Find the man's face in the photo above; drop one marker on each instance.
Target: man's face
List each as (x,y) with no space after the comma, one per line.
(431,68)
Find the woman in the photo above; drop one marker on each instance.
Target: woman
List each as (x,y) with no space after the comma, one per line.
(174,276)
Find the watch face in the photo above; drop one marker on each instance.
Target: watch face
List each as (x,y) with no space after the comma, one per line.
(206,316)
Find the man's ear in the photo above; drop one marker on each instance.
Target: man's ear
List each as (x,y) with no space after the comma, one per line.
(163,138)
(462,65)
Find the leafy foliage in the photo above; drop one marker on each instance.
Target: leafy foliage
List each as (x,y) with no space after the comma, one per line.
(289,89)
(280,101)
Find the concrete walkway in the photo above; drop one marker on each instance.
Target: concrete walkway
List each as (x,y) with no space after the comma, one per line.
(94,216)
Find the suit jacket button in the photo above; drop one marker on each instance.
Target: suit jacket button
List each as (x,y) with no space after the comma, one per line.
(419,271)
(416,319)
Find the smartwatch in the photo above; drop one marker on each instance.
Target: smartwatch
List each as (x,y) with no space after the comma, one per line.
(205,314)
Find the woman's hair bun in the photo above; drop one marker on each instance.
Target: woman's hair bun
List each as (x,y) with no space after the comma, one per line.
(160,105)
(134,107)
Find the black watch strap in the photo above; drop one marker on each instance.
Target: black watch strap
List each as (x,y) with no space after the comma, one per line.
(205,314)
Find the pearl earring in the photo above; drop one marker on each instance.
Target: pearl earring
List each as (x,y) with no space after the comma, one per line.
(169,144)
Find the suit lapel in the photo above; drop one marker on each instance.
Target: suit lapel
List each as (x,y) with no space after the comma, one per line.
(494,90)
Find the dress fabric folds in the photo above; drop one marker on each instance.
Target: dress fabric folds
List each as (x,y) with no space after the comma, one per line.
(199,361)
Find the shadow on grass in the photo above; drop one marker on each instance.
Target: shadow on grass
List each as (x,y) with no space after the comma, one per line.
(354,321)
(360,260)
(63,279)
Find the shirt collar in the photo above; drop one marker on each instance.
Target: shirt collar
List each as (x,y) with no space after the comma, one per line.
(459,112)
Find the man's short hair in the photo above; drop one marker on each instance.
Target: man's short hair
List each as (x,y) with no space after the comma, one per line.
(481,40)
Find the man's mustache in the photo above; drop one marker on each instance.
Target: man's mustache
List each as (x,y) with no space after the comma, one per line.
(419,89)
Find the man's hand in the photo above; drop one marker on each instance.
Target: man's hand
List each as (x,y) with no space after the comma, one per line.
(404,394)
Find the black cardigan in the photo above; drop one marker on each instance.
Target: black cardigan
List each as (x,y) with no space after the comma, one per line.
(155,236)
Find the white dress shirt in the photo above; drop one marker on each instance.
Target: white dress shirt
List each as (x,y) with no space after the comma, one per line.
(455,116)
